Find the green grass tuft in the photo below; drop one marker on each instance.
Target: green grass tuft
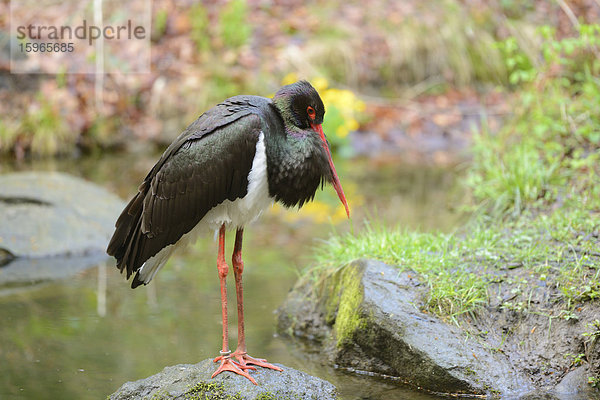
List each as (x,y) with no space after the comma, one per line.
(234,25)
(458,267)
(436,257)
(550,150)
(200,32)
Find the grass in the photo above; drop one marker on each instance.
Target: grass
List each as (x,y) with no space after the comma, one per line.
(233,23)
(435,257)
(41,129)
(550,150)
(445,47)
(454,45)
(504,180)
(459,267)
(200,32)
(231,31)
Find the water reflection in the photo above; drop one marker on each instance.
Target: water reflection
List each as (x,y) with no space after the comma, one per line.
(82,337)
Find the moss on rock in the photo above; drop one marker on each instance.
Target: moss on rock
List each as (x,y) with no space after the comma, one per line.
(210,390)
(343,305)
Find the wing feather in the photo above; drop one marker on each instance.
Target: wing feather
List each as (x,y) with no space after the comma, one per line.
(201,169)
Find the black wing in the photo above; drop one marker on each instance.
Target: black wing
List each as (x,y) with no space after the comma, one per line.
(207,164)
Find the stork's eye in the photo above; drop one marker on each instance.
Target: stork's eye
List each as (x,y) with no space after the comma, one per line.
(311,112)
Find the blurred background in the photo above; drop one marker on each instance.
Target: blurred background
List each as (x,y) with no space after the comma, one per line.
(408,87)
(411,69)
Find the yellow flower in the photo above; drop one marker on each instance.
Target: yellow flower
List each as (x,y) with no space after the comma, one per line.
(341,131)
(320,84)
(322,212)
(351,124)
(289,78)
(360,106)
(344,102)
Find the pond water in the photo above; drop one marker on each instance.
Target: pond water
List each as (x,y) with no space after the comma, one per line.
(83,337)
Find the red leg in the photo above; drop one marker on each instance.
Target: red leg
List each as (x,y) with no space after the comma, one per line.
(227,364)
(238,268)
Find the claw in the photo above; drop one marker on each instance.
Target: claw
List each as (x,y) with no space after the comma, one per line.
(244,360)
(227,364)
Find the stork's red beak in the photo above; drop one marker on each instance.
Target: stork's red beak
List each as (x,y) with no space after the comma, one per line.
(335,180)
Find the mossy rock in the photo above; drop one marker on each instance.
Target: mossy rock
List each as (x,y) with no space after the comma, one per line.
(193,381)
(367,317)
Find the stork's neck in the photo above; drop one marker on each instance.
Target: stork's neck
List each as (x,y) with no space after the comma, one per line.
(296,164)
(283,105)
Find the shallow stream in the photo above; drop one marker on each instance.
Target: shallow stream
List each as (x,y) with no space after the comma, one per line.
(83,337)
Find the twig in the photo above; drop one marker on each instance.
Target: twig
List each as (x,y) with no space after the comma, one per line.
(567,10)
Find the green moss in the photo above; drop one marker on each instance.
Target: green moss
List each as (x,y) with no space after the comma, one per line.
(276,396)
(160,395)
(331,291)
(266,396)
(212,390)
(343,302)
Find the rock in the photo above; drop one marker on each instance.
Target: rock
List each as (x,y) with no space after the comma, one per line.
(24,272)
(193,381)
(576,383)
(367,317)
(541,394)
(49,219)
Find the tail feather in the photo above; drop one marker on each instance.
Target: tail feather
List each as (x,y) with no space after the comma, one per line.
(123,226)
(130,261)
(149,269)
(125,242)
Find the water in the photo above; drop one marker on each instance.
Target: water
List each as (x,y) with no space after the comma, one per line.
(83,337)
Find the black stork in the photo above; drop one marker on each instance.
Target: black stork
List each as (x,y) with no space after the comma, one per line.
(228,166)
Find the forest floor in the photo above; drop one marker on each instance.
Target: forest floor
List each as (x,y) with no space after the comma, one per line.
(425,88)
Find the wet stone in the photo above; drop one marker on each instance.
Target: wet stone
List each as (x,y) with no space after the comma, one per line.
(193,381)
(53,225)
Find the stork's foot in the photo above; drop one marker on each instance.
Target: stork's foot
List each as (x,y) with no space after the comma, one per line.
(227,364)
(244,361)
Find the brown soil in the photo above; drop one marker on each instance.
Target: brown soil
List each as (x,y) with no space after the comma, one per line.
(528,322)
